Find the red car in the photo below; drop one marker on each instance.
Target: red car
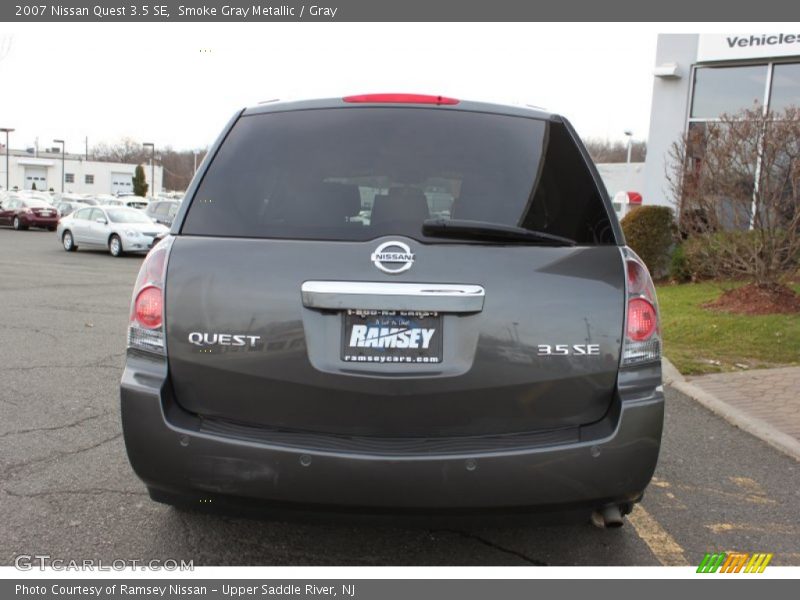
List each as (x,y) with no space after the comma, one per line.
(29,212)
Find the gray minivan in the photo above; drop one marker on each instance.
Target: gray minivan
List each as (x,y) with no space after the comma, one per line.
(395,302)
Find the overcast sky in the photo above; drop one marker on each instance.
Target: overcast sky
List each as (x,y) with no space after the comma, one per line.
(178,83)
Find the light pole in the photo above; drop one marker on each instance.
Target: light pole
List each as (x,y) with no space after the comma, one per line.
(63,176)
(152,167)
(195,161)
(629,135)
(6,130)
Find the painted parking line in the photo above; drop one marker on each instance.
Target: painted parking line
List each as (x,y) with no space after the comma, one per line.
(668,552)
(746,496)
(763,528)
(665,487)
(750,485)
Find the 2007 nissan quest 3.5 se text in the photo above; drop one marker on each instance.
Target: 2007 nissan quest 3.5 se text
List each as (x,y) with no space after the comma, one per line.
(395,302)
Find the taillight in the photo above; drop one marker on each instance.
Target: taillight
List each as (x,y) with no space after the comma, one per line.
(400,99)
(148,307)
(642,320)
(642,341)
(146,329)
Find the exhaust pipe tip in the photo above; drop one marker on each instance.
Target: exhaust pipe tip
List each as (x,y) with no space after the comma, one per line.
(607,517)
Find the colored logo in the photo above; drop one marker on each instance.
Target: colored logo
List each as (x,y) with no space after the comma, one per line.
(734,562)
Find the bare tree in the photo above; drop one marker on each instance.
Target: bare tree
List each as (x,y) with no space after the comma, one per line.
(178,165)
(736,186)
(606,151)
(127,150)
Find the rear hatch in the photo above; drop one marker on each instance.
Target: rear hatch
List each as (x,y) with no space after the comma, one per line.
(305,292)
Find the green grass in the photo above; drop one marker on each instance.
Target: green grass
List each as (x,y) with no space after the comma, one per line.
(699,340)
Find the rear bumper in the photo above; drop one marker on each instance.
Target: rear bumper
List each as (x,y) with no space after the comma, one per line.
(39,221)
(612,461)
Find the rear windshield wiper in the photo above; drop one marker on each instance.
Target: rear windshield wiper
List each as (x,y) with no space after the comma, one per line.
(485,230)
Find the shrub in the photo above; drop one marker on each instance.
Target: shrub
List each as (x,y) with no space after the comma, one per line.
(679,269)
(732,255)
(650,231)
(702,257)
(740,176)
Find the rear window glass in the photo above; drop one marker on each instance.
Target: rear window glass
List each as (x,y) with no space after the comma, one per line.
(357,174)
(121,215)
(34,203)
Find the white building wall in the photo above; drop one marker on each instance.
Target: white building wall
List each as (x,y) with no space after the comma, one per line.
(671,95)
(668,113)
(77,167)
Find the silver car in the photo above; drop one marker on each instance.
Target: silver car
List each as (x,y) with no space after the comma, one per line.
(118,228)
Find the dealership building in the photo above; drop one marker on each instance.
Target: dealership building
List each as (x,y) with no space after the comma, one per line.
(699,77)
(44,170)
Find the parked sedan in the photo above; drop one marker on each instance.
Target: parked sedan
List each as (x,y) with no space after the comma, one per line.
(118,228)
(163,211)
(67,207)
(22,213)
(130,201)
(136,202)
(34,195)
(109,201)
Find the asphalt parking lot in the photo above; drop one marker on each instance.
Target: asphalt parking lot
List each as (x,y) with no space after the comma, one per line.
(66,488)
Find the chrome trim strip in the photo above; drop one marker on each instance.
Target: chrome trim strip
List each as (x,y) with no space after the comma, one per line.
(377,295)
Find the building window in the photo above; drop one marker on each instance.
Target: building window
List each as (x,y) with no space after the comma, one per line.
(785,87)
(88,178)
(69,177)
(719,90)
(727,90)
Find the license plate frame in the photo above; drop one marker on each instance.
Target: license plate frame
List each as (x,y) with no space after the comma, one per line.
(392,337)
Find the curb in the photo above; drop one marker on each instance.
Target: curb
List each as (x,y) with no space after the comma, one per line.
(736,417)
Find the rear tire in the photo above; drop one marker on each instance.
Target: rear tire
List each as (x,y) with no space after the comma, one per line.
(68,241)
(115,246)
(17,224)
